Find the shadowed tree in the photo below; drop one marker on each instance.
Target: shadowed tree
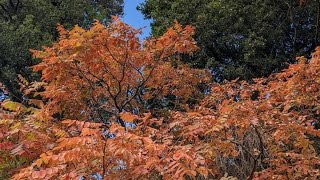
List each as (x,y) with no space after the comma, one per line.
(30,24)
(242,38)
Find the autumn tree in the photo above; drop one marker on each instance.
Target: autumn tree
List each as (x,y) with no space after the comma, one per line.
(106,70)
(263,130)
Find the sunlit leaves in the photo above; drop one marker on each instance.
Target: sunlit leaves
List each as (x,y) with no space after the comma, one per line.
(13,106)
(128,117)
(107,69)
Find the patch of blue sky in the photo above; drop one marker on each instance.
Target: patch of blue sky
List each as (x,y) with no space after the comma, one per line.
(135,18)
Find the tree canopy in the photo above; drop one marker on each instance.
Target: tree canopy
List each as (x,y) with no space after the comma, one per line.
(261,130)
(241,38)
(108,106)
(109,69)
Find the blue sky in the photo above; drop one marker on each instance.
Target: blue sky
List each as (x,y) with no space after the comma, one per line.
(135,18)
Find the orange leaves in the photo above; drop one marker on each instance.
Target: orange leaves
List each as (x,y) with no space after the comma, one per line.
(6,115)
(203,171)
(185,164)
(88,132)
(98,76)
(6,145)
(81,124)
(39,174)
(254,120)
(265,107)
(180,44)
(62,31)
(278,118)
(106,69)
(225,109)
(116,128)
(110,63)
(128,117)
(36,102)
(27,138)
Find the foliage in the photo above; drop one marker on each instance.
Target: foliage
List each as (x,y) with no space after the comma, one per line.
(22,137)
(263,130)
(105,71)
(26,24)
(240,38)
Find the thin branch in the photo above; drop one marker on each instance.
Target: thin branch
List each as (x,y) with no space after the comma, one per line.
(5,10)
(103,159)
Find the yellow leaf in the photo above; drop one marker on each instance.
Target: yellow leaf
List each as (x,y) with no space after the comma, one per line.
(13,106)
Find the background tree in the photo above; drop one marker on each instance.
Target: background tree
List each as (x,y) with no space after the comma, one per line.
(26,24)
(241,38)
